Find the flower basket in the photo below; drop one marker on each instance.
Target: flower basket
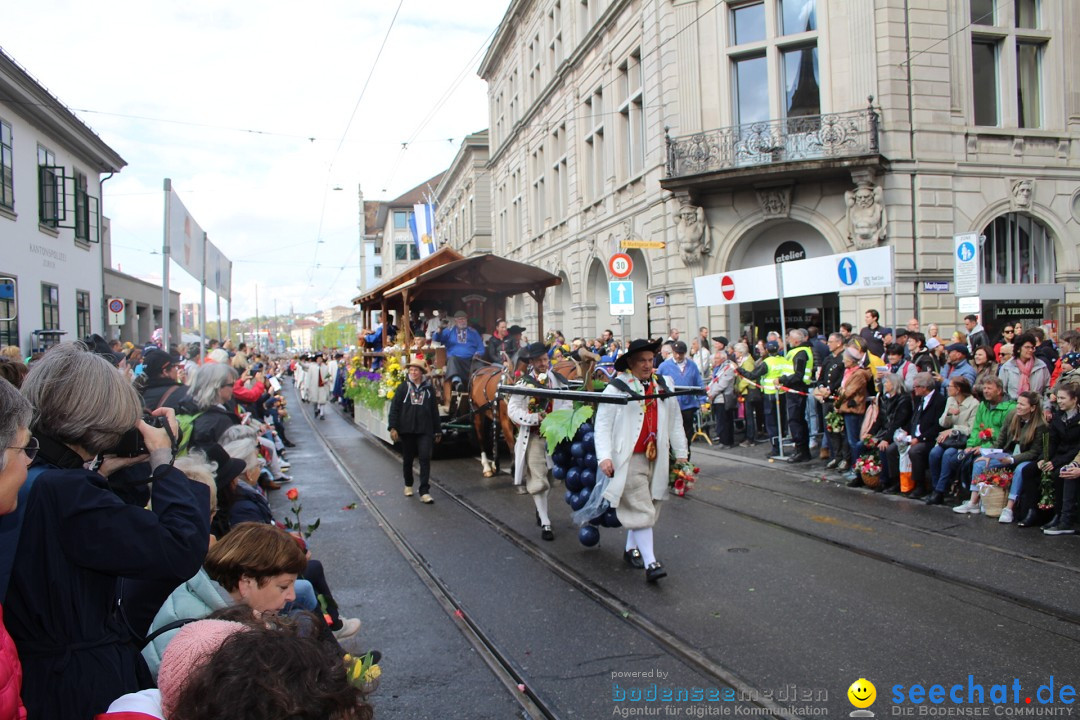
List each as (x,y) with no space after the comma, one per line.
(871,480)
(868,466)
(993,499)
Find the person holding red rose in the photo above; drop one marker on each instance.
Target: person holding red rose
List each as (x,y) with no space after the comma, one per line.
(989,419)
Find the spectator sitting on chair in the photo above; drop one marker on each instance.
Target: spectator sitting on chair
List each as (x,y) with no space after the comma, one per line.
(928,405)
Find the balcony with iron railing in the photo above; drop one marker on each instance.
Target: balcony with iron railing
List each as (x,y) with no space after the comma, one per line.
(807,145)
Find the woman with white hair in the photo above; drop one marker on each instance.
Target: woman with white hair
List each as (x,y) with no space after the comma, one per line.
(78,539)
(210,400)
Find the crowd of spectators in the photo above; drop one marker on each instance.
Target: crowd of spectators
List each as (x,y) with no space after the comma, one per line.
(133,506)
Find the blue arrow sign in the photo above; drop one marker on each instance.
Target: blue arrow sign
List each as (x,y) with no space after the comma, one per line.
(847,270)
(621,296)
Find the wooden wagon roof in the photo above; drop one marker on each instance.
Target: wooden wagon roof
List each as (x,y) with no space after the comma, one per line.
(434,260)
(482,273)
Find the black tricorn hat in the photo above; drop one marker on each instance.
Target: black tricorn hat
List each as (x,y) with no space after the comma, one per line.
(623,361)
(532,351)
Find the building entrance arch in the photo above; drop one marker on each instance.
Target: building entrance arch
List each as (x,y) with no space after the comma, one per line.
(775,242)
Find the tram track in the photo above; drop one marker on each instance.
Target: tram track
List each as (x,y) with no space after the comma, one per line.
(499,661)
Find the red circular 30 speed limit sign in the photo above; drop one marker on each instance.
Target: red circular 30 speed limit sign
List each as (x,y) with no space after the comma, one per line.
(620,265)
(727,287)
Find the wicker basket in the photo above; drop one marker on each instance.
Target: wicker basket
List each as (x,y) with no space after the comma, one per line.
(871,480)
(993,500)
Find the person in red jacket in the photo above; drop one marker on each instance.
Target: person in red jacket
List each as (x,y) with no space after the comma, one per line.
(19,449)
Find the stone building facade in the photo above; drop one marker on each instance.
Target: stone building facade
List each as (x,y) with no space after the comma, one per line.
(743,133)
(463,197)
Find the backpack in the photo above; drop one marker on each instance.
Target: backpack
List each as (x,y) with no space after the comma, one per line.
(186,422)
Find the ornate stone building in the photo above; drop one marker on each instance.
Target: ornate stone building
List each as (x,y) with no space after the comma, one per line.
(745,133)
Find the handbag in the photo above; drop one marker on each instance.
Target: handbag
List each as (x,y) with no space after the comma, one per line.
(870,418)
(956,440)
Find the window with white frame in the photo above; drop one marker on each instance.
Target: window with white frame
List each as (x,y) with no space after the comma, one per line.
(515,106)
(773,55)
(539,192)
(536,80)
(7,172)
(555,47)
(499,120)
(631,117)
(595,174)
(560,178)
(516,211)
(501,222)
(1008,45)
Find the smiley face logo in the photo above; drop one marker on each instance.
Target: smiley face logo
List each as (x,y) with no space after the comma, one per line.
(862,693)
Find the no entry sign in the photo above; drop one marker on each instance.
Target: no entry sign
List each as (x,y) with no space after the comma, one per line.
(727,287)
(620,265)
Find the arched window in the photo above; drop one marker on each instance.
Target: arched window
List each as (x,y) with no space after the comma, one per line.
(1018,250)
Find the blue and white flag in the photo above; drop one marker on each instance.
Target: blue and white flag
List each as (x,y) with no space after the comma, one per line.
(423,228)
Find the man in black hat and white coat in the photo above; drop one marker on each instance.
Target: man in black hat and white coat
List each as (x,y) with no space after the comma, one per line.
(531,459)
(633,443)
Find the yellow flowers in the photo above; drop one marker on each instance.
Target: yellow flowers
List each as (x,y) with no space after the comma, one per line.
(362,672)
(389,394)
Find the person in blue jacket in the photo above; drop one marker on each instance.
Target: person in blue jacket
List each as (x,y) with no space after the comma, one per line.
(77,540)
(462,343)
(378,338)
(684,373)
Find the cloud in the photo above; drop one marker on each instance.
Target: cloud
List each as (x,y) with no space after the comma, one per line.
(284,72)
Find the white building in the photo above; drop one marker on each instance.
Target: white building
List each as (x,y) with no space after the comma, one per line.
(463,214)
(51,167)
(399,248)
(613,119)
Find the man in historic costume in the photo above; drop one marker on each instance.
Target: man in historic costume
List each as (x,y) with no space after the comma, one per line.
(462,343)
(531,460)
(319,382)
(633,443)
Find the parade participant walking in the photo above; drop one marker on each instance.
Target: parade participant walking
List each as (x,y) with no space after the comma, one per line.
(319,383)
(683,373)
(633,444)
(531,461)
(462,343)
(414,422)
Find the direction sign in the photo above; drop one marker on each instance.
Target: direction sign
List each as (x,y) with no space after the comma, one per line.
(621,295)
(620,265)
(643,244)
(847,271)
(966,264)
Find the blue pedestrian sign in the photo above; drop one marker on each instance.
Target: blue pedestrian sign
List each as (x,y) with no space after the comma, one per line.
(621,295)
(848,271)
(965,251)
(966,264)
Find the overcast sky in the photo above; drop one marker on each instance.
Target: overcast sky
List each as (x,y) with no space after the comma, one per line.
(178,88)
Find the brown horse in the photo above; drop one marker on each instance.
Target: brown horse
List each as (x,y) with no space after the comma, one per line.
(578,369)
(484,397)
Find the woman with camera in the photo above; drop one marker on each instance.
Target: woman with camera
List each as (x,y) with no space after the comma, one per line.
(18,449)
(77,538)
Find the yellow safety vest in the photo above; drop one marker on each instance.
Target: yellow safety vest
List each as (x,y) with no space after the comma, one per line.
(808,375)
(778,366)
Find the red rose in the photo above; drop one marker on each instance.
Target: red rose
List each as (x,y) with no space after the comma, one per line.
(292,494)
(679,484)
(697,470)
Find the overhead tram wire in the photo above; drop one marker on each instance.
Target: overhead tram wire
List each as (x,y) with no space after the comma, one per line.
(345,132)
(443,99)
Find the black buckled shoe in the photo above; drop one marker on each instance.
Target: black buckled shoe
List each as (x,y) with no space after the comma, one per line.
(633,559)
(546,533)
(654,572)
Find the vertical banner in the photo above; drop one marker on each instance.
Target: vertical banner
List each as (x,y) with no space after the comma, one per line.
(183,235)
(423,228)
(218,272)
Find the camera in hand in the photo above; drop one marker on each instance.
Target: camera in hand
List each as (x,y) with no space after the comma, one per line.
(131,443)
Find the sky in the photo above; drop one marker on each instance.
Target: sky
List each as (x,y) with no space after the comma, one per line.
(246,107)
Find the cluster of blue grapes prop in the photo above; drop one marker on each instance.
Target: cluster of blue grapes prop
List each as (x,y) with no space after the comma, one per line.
(575,464)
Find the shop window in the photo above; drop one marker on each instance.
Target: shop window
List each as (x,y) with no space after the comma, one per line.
(1018,250)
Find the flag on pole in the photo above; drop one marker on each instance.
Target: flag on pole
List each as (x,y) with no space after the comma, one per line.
(423,228)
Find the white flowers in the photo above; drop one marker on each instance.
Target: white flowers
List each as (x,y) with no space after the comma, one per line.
(542,378)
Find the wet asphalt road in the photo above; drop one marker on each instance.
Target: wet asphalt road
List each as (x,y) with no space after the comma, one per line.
(790,587)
